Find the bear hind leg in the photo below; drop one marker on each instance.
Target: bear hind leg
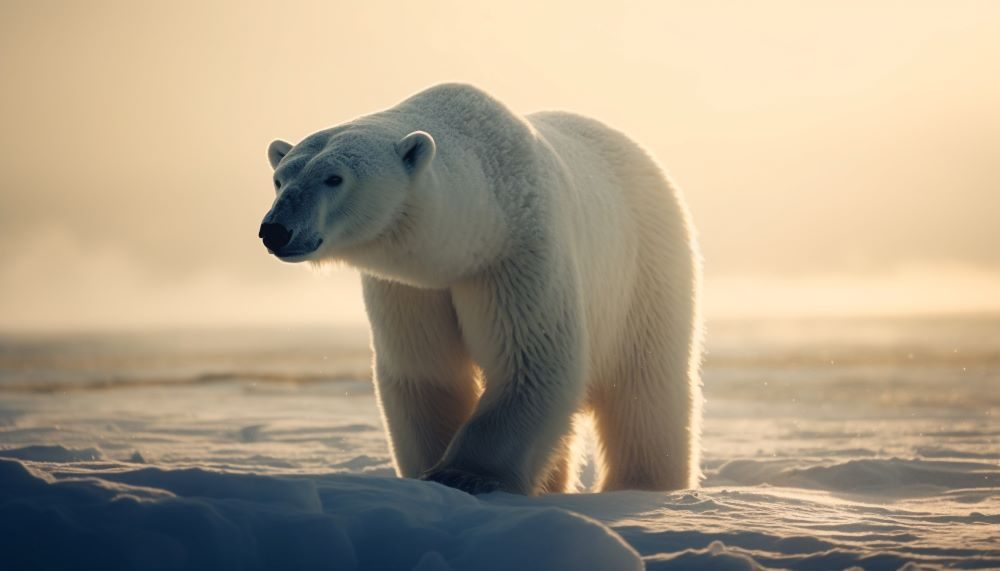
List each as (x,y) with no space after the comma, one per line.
(646,420)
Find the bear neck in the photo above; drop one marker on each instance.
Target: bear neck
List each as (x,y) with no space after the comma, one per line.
(451,227)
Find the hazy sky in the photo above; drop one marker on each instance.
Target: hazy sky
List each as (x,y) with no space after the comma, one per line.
(837,156)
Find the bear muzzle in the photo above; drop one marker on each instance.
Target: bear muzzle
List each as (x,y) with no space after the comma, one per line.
(275,236)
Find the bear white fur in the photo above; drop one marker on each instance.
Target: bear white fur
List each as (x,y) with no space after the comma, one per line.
(517,271)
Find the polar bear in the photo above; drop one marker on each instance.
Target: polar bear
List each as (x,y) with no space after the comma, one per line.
(517,271)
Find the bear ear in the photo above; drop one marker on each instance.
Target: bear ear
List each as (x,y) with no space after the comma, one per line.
(416,150)
(277,151)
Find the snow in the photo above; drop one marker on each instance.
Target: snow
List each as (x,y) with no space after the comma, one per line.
(871,445)
(153,518)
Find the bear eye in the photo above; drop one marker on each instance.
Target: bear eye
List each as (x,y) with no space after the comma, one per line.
(277,184)
(333,180)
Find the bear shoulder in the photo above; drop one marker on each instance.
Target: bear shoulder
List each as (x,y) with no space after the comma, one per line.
(467,110)
(452,93)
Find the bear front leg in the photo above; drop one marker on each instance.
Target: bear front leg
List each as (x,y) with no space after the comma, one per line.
(524,329)
(424,378)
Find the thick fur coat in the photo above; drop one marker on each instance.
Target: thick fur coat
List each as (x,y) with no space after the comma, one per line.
(518,271)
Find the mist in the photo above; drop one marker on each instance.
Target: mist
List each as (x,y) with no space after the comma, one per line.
(837,159)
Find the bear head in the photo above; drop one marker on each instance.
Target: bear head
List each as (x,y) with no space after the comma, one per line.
(339,189)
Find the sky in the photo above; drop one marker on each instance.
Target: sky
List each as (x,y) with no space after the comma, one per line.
(839,158)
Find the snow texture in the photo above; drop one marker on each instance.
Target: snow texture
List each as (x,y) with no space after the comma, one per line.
(197,519)
(832,446)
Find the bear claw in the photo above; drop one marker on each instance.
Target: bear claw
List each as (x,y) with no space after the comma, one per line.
(460,480)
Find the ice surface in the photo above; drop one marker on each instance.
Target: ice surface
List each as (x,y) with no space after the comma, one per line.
(827,446)
(196,519)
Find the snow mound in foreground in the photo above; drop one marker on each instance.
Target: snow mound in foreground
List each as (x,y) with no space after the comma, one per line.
(196,519)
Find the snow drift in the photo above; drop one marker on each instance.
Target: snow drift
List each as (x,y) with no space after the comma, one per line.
(196,519)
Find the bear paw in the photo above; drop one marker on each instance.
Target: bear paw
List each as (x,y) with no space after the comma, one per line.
(461,480)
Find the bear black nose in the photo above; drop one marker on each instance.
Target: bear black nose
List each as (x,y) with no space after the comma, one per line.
(275,236)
